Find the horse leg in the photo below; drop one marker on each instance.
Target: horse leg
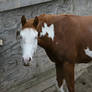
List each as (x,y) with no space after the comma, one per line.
(69,76)
(59,77)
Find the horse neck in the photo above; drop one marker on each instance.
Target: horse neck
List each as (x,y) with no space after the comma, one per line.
(45,42)
(46,34)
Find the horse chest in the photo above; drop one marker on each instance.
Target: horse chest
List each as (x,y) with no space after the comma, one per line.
(55,55)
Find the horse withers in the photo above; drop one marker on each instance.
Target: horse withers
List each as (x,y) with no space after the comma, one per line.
(67,39)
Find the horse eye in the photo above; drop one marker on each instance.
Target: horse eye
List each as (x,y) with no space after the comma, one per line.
(17,33)
(35,37)
(20,37)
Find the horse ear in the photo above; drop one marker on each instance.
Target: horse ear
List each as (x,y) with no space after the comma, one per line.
(36,21)
(23,20)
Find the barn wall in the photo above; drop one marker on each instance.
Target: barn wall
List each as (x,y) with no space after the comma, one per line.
(14,77)
(13,4)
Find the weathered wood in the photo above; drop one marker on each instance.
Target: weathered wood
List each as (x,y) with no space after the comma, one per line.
(36,84)
(13,4)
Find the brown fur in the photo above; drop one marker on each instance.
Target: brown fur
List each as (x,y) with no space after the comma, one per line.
(73,34)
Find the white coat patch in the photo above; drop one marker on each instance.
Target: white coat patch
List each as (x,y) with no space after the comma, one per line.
(64,85)
(88,52)
(28,42)
(49,30)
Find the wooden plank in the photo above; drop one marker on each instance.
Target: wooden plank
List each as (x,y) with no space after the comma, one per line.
(37,84)
(12,4)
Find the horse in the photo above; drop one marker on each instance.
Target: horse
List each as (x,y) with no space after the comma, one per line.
(67,40)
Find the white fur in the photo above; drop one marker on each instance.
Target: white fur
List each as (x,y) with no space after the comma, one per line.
(49,30)
(28,42)
(88,52)
(61,89)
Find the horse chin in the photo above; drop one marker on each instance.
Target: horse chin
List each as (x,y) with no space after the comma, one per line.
(27,64)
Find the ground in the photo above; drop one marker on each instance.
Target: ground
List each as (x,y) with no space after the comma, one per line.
(83,81)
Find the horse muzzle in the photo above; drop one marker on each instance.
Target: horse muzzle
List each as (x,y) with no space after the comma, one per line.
(26,62)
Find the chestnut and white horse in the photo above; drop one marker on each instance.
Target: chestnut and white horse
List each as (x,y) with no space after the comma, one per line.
(67,39)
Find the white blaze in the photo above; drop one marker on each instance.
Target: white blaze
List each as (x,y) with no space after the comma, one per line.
(28,42)
(88,52)
(49,30)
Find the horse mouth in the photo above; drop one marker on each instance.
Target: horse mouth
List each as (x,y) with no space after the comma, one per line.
(27,64)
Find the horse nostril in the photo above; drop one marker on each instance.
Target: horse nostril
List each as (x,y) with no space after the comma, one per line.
(30,59)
